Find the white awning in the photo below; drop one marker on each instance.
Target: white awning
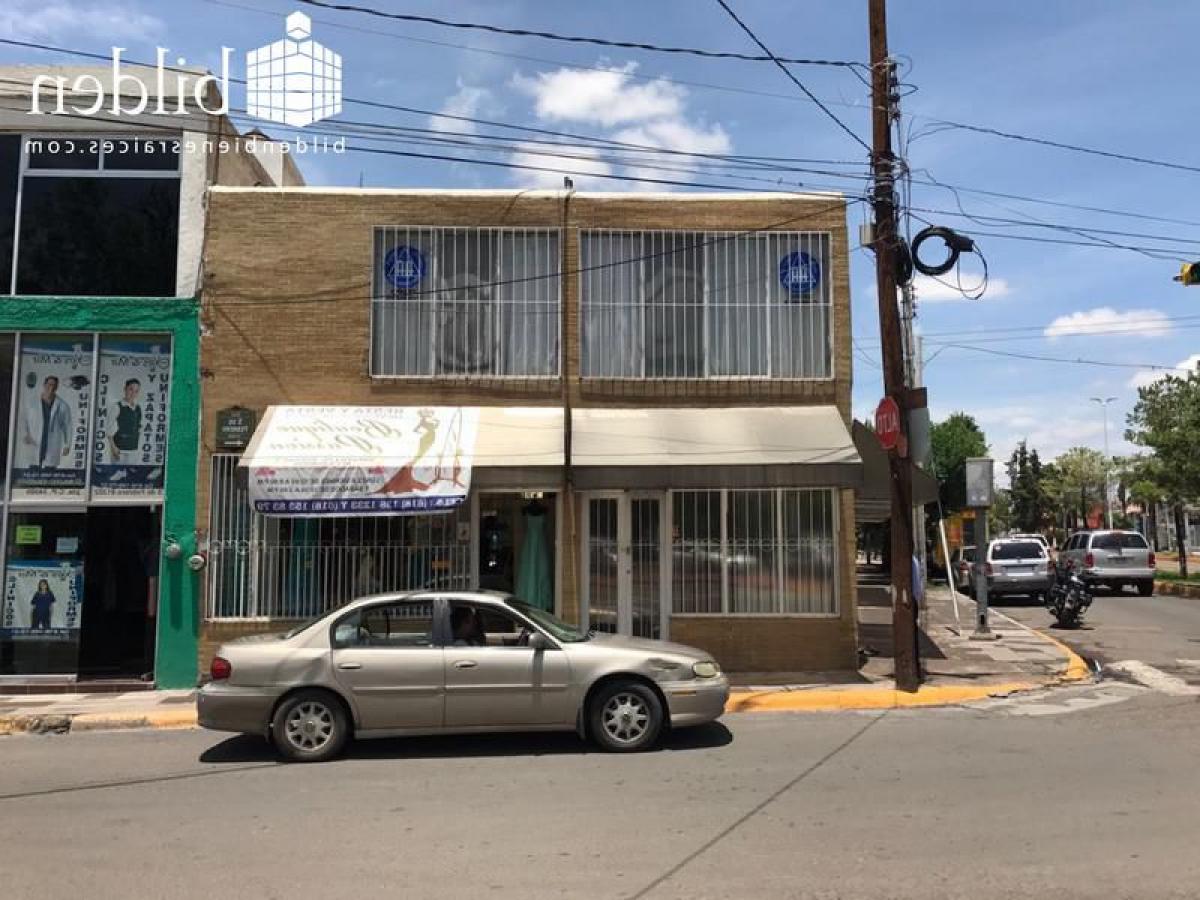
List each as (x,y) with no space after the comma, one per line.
(394,460)
(754,446)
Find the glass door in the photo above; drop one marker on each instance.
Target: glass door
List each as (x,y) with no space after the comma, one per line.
(623,564)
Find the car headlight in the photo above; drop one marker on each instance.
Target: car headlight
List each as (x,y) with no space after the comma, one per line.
(706,669)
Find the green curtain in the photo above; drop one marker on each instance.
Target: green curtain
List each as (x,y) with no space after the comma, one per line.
(534,585)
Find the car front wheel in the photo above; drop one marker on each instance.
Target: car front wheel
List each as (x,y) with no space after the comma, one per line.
(625,716)
(310,726)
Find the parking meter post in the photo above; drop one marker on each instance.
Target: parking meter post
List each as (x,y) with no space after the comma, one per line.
(982,632)
(980,493)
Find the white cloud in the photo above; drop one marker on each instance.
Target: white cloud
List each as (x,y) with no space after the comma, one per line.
(602,96)
(466,102)
(945,288)
(1147,377)
(1145,322)
(60,19)
(650,113)
(558,167)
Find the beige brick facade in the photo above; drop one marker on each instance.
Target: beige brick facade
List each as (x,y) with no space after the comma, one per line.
(286,312)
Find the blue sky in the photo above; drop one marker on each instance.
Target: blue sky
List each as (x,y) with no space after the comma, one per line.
(1112,75)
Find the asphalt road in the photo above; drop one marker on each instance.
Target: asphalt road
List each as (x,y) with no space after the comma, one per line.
(905,804)
(1162,631)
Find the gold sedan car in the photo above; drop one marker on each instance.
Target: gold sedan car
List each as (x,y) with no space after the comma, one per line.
(453,663)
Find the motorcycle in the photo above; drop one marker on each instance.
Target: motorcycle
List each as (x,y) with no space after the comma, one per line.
(1068,597)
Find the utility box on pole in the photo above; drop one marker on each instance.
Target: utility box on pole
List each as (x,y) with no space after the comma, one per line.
(980,494)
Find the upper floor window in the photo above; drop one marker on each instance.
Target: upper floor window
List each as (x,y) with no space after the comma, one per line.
(668,304)
(465,301)
(89,215)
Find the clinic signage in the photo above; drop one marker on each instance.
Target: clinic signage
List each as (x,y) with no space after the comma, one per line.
(235,427)
(799,274)
(361,460)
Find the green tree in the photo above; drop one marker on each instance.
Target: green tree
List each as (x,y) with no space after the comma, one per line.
(1141,479)
(1166,419)
(1078,483)
(1001,517)
(1030,501)
(952,443)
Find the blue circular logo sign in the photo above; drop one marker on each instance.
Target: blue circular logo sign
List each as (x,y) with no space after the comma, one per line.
(799,273)
(404,267)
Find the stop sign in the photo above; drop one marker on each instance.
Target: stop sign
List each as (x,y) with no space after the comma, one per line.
(887,423)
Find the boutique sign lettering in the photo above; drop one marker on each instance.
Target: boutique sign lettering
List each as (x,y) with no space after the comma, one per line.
(361,460)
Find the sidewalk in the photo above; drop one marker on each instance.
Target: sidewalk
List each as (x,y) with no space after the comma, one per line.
(60,713)
(958,670)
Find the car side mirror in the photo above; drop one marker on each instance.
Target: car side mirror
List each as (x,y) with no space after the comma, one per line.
(538,641)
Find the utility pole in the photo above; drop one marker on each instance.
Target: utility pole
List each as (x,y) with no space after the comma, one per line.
(1107,462)
(904,612)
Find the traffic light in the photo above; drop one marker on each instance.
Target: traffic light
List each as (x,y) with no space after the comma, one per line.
(1189,274)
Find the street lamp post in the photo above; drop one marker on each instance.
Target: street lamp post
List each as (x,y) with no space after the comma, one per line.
(1107,460)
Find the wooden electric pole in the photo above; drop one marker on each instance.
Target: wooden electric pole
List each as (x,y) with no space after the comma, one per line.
(904,610)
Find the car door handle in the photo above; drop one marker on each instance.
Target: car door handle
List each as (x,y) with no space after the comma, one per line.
(465,664)
(349,665)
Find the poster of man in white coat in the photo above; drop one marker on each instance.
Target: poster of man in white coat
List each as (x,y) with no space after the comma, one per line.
(53,405)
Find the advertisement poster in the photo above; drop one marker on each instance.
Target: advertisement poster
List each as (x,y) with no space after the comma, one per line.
(42,601)
(133,382)
(54,398)
(361,460)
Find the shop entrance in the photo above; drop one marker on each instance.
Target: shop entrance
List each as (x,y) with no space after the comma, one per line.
(623,560)
(120,593)
(517,545)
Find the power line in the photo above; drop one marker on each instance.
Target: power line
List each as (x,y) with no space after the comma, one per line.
(1100,327)
(703,85)
(1055,359)
(796,81)
(1059,145)
(571,39)
(985,219)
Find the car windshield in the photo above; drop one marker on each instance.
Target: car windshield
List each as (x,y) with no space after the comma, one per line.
(1118,541)
(968,553)
(559,629)
(1018,550)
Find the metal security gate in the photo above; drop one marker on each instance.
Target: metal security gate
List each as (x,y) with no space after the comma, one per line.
(624,575)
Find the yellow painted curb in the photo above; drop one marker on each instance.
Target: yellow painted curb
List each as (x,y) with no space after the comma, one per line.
(869,697)
(182,718)
(1077,668)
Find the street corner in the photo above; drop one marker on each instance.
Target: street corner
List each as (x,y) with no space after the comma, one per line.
(873,697)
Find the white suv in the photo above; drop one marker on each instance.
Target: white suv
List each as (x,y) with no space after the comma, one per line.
(1111,558)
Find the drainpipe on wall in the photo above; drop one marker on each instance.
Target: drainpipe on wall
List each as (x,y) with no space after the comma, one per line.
(563,366)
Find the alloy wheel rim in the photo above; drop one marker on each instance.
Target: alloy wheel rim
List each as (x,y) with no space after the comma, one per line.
(626,717)
(309,726)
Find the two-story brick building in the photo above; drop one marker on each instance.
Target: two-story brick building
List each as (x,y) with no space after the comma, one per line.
(649,396)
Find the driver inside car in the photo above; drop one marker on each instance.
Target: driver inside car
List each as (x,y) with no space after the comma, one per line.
(466,628)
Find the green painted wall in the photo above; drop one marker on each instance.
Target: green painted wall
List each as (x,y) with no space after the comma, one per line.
(179,587)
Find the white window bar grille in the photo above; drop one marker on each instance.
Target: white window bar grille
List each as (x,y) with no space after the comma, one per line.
(677,304)
(275,568)
(777,549)
(465,302)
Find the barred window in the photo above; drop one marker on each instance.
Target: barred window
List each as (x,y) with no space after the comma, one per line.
(769,552)
(672,304)
(266,567)
(465,302)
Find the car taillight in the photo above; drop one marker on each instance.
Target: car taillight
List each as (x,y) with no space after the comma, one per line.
(1152,559)
(987,569)
(220,668)
(1089,561)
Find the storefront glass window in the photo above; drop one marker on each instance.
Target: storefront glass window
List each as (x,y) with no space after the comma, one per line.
(778,550)
(42,615)
(50,433)
(7,349)
(129,446)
